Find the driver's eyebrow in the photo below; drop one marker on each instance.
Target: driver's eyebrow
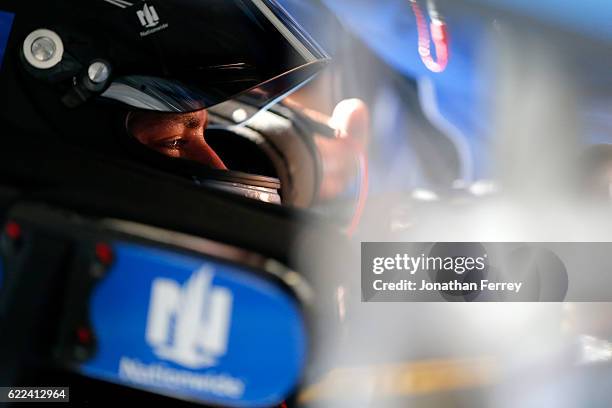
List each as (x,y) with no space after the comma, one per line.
(192,122)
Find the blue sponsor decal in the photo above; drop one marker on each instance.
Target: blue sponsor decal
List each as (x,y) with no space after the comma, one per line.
(6,22)
(196,329)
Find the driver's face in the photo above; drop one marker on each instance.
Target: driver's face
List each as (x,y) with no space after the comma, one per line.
(179,135)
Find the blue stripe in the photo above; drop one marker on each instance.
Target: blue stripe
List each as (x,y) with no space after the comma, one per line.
(6,22)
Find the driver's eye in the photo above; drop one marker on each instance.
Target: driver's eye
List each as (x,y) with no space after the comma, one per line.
(175,144)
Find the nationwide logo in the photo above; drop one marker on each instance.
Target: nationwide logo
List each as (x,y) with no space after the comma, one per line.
(148,16)
(189,325)
(149,19)
(159,375)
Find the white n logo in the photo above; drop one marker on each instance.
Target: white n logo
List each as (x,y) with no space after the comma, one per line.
(148,16)
(189,325)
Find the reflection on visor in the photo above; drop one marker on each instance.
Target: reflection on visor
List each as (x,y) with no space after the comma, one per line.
(267,195)
(264,96)
(156,94)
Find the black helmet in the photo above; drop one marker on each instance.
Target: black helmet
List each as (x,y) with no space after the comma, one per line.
(166,56)
(171,56)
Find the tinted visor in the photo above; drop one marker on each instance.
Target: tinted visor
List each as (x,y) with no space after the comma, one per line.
(197,54)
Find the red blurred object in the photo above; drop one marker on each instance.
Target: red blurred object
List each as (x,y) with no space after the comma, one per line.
(439,35)
(104,253)
(84,335)
(13,230)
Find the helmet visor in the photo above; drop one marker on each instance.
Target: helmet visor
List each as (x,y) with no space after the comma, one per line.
(207,52)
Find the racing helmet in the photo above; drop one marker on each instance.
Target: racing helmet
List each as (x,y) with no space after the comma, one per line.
(168,57)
